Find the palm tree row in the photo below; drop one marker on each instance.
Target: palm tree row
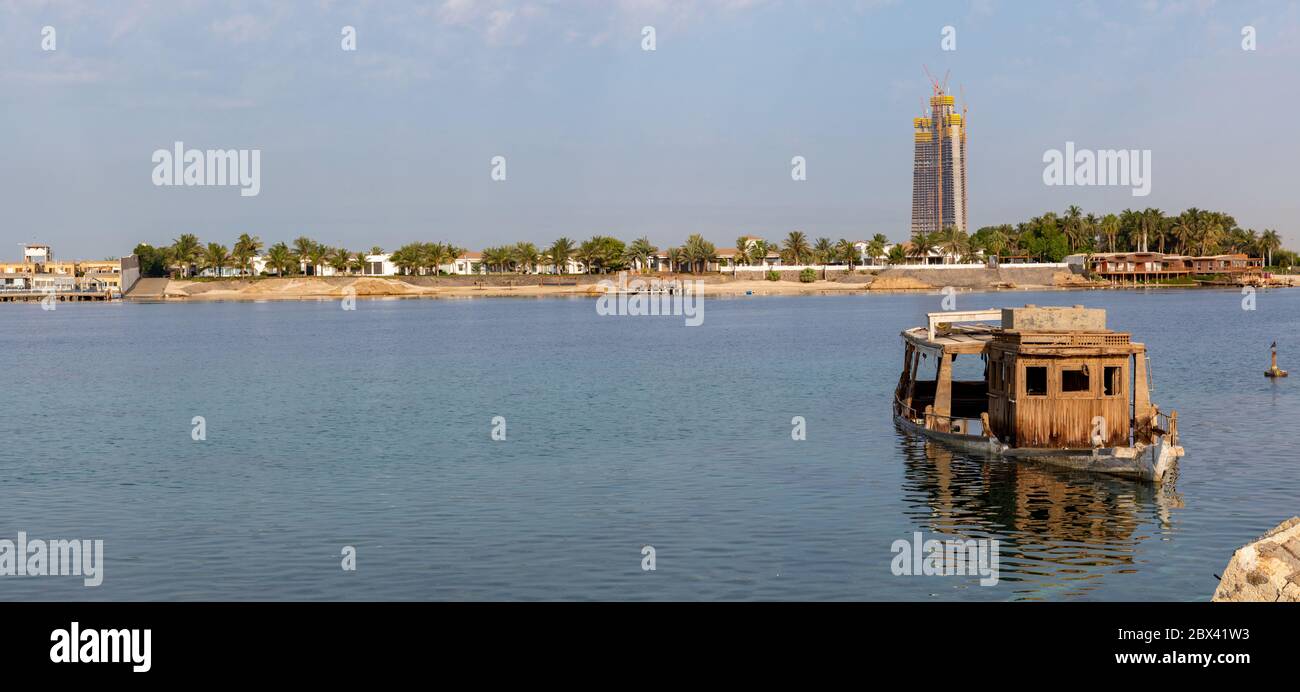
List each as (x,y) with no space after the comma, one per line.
(1052,236)
(424,258)
(189,257)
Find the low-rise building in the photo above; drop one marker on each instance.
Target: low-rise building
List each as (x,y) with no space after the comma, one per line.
(1126,266)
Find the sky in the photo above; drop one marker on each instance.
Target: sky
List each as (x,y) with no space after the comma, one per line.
(393,142)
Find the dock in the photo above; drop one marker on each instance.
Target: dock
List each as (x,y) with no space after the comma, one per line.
(61,296)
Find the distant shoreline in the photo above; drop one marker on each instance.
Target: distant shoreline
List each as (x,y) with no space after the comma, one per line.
(532,286)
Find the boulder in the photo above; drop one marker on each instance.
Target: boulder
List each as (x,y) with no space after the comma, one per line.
(1265,570)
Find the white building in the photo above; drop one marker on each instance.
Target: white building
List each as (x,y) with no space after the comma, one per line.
(467,263)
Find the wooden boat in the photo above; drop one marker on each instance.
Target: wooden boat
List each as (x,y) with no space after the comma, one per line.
(1058,388)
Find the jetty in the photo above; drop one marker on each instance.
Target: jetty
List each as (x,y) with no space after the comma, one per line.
(60,296)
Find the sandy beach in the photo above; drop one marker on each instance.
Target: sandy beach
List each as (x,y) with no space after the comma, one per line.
(333,288)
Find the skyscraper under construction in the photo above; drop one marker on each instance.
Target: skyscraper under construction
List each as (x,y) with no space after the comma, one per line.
(939,167)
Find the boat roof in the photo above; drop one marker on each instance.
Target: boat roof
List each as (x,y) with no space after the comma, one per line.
(965,338)
(1046,331)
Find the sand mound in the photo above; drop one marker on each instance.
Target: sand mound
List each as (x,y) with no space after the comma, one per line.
(895,283)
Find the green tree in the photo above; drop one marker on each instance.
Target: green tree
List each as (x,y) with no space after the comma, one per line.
(281,259)
(340,259)
(699,252)
(185,252)
(216,257)
(303,247)
(559,254)
(527,255)
(1269,242)
(246,248)
(640,251)
(795,249)
(846,252)
(822,251)
(153,261)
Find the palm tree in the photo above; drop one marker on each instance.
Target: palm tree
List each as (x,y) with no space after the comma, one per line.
(316,258)
(677,258)
(406,258)
(358,264)
(822,250)
(953,242)
(742,250)
(1110,229)
(588,253)
(699,251)
(876,246)
(923,244)
(846,252)
(640,252)
(302,249)
(185,252)
(1209,231)
(280,258)
(1153,227)
(560,252)
(757,251)
(216,257)
(246,248)
(527,255)
(1184,230)
(796,247)
(1073,221)
(1269,241)
(340,259)
(897,255)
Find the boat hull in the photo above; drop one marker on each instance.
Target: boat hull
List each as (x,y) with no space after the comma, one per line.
(1146,462)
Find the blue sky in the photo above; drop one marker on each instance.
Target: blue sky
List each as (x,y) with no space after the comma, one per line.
(392,143)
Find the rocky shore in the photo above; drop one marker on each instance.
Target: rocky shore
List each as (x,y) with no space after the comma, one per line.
(1267,569)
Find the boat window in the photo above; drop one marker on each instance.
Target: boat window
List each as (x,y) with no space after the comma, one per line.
(1075,380)
(1036,380)
(1114,380)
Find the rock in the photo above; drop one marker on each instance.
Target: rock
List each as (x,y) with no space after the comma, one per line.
(1266,570)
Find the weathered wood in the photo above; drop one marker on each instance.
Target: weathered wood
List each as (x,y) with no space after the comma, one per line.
(1118,407)
(1142,412)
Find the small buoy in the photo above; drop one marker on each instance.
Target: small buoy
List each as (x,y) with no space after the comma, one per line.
(749,293)
(1273,370)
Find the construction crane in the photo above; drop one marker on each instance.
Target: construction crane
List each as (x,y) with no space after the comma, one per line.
(939,89)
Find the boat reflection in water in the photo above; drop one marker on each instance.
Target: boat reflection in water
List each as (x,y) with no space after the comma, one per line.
(1060,531)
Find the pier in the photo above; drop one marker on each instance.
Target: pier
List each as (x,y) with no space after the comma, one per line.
(61,296)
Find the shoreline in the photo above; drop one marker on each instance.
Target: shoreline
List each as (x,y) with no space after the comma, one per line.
(390,288)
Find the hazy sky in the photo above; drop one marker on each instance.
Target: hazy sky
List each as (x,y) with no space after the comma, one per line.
(393,142)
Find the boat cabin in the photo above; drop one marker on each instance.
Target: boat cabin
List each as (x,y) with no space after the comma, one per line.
(1053,378)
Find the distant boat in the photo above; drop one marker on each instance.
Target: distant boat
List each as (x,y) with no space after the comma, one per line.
(1058,388)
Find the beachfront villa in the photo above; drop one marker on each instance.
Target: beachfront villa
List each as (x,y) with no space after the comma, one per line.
(381,265)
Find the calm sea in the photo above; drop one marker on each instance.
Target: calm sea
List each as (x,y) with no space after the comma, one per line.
(372,428)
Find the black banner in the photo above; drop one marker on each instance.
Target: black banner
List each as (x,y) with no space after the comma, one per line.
(194,641)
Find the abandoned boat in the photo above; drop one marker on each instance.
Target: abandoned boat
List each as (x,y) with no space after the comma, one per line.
(1058,387)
